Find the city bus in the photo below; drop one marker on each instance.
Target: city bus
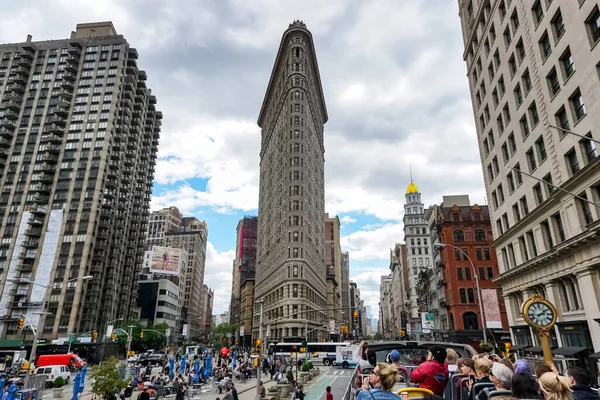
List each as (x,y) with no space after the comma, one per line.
(325,351)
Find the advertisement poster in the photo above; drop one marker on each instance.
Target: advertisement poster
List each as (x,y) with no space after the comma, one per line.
(165,260)
(491,308)
(184,331)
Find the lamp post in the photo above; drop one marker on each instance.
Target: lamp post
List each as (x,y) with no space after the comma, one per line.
(476,285)
(258,368)
(36,329)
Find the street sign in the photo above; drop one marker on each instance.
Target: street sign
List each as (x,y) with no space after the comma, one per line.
(72,338)
(241,331)
(168,332)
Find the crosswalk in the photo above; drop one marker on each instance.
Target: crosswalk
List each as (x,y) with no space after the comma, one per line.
(341,372)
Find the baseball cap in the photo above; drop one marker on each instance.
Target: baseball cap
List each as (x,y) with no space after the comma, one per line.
(395,356)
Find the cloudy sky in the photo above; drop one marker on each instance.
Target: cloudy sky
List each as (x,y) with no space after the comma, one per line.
(395,88)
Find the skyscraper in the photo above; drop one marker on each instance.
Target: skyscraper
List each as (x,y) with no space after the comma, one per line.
(418,247)
(333,262)
(79,134)
(532,69)
(290,271)
(345,284)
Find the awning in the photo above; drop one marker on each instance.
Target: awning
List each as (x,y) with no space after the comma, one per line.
(518,347)
(596,356)
(569,351)
(534,349)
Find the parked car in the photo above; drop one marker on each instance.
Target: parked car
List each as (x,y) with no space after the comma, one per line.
(71,361)
(18,379)
(54,371)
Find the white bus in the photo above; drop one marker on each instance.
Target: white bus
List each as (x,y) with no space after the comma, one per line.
(325,351)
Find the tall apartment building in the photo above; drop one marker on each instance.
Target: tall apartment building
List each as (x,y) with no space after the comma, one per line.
(345,285)
(386,306)
(160,222)
(436,297)
(418,246)
(79,134)
(467,226)
(533,73)
(290,270)
(169,228)
(332,252)
(399,296)
(244,270)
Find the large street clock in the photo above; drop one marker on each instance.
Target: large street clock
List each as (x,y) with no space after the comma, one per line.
(539,313)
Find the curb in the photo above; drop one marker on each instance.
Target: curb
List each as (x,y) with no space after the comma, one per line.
(253,387)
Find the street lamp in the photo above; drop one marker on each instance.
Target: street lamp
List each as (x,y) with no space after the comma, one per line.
(258,369)
(36,329)
(476,285)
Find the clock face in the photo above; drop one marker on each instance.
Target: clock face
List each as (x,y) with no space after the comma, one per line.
(540,314)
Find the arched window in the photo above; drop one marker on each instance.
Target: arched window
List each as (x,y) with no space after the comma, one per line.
(459,236)
(470,321)
(479,235)
(297,94)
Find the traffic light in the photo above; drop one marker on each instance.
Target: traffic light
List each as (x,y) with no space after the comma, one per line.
(402,333)
(113,336)
(141,334)
(21,322)
(258,343)
(94,335)
(355,317)
(507,346)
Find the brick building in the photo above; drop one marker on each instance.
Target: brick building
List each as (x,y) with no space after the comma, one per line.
(468,228)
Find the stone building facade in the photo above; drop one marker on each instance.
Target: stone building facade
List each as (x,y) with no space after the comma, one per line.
(290,271)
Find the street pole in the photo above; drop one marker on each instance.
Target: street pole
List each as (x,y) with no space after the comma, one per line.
(128,350)
(33,347)
(258,368)
(306,338)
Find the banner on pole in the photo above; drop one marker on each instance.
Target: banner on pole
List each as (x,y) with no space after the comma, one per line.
(491,309)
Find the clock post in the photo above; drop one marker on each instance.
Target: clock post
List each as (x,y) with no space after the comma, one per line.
(541,315)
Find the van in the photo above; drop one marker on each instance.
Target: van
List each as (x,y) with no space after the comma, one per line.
(54,371)
(344,356)
(71,361)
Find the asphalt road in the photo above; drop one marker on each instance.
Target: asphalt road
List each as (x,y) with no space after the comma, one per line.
(336,377)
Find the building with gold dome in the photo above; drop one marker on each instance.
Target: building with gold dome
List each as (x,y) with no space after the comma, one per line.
(419,254)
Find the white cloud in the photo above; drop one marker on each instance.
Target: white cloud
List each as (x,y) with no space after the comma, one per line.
(346,219)
(372,244)
(368,281)
(353,92)
(217,276)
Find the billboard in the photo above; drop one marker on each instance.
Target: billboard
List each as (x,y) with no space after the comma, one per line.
(427,322)
(491,308)
(165,260)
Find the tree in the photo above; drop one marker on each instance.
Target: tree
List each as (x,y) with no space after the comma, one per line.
(378,336)
(220,333)
(107,382)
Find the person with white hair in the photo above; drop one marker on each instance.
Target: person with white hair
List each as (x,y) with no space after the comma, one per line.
(501,377)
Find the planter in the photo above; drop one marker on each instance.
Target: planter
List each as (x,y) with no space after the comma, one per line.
(273,394)
(317,371)
(57,393)
(305,376)
(284,388)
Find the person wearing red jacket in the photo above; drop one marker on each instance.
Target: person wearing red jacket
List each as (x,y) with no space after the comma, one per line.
(433,373)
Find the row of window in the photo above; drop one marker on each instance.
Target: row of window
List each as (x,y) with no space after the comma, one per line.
(465,273)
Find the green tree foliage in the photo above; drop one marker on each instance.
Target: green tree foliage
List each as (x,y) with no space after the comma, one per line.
(378,336)
(107,382)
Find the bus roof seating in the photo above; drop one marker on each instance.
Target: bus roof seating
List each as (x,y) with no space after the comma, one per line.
(495,393)
(478,387)
(451,391)
(414,393)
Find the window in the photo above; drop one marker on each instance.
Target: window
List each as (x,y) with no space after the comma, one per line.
(457,254)
(584,209)
(479,254)
(526,79)
(588,148)
(593,24)
(514,21)
(459,236)
(577,105)
(505,221)
(512,144)
(506,113)
(558,25)
(553,83)
(562,120)
(538,194)
(500,124)
(486,147)
(518,95)
(531,160)
(518,174)
(505,155)
(572,161)
(545,46)
(523,248)
(501,86)
(470,321)
(486,254)
(524,127)
(524,206)
(500,194)
(568,63)
(497,59)
(520,48)
(491,139)
(533,114)
(495,199)
(511,182)
(516,212)
(512,64)
(558,227)
(538,13)
(470,295)
(507,37)
(541,149)
(463,295)
(547,234)
(502,10)
(532,245)
(495,97)
(479,235)
(459,272)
